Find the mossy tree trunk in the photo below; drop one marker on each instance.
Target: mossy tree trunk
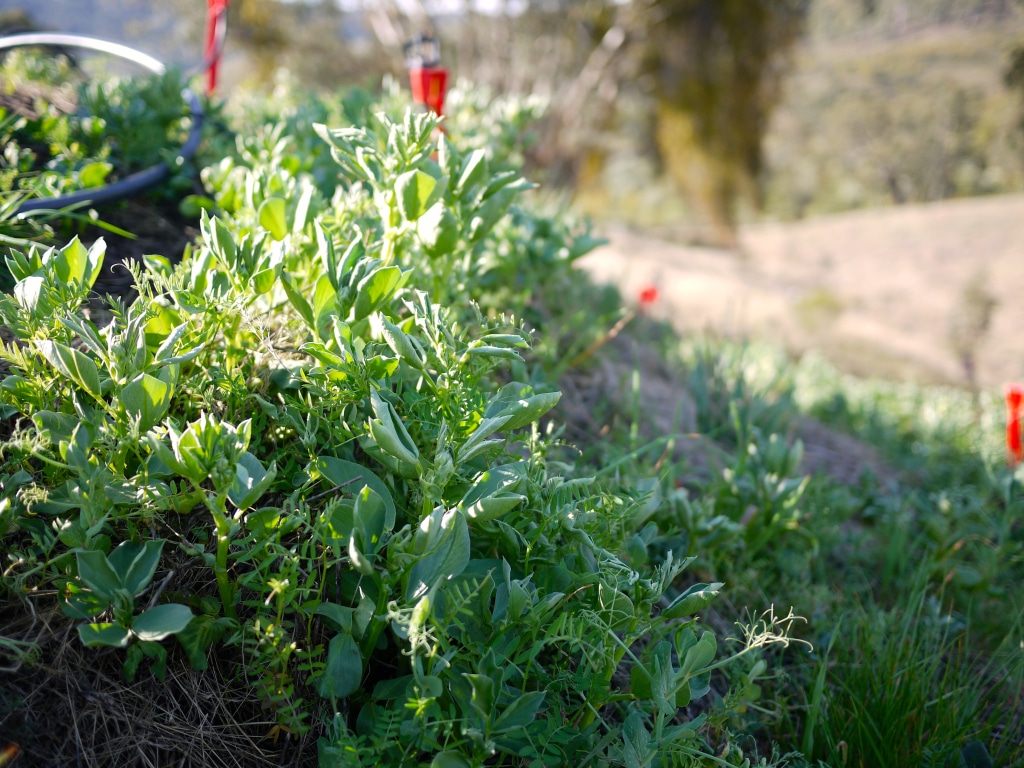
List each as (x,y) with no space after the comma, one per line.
(718,67)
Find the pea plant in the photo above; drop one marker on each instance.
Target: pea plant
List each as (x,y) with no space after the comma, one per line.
(316,446)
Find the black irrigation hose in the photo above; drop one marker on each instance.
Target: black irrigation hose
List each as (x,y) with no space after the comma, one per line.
(137,182)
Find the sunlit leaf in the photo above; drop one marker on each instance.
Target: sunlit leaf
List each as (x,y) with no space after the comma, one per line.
(147,399)
(375,289)
(160,621)
(273,217)
(74,364)
(473,171)
(103,634)
(416,192)
(251,481)
(94,174)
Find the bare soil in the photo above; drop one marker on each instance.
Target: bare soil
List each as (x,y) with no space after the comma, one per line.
(895,293)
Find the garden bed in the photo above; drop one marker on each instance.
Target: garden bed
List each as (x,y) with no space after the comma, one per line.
(374,475)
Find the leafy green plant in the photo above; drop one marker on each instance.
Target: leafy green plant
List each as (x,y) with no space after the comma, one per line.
(79,134)
(312,410)
(112,584)
(322,456)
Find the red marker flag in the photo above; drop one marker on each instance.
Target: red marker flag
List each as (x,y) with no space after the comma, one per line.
(1014,402)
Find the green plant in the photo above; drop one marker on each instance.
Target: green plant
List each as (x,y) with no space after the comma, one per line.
(330,439)
(111,584)
(904,689)
(315,414)
(79,134)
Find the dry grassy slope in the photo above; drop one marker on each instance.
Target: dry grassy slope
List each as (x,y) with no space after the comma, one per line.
(877,291)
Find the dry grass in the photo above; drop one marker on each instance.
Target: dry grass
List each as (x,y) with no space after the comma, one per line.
(67,705)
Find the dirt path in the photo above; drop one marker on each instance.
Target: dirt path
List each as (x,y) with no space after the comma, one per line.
(881,292)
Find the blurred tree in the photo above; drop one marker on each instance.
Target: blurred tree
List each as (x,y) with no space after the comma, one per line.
(263,26)
(14,21)
(719,66)
(1014,76)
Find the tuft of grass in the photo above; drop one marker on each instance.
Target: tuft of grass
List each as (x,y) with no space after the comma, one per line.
(906,686)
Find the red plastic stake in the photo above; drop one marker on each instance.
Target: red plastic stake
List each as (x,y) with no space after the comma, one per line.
(428,86)
(215,9)
(426,75)
(1014,403)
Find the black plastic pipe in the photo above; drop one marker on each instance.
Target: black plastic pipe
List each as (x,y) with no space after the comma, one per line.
(137,182)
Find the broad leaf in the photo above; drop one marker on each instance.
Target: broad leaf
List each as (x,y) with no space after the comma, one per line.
(324,302)
(636,747)
(94,174)
(69,264)
(369,517)
(692,600)
(142,568)
(495,506)
(273,217)
(342,473)
(338,617)
(298,301)
(147,399)
(389,433)
(97,574)
(477,441)
(160,621)
(447,555)
(483,219)
(616,608)
(416,192)
(80,603)
(483,694)
(667,692)
(521,404)
(104,634)
(449,759)
(438,231)
(374,290)
(302,208)
(520,712)
(28,293)
(699,655)
(55,427)
(74,364)
(251,481)
(344,670)
(473,171)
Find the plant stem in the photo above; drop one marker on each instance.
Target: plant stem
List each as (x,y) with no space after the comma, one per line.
(223,524)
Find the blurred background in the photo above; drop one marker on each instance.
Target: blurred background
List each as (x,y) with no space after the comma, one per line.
(700,112)
(710,124)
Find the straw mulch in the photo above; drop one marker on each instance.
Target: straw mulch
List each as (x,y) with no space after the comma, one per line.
(67,705)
